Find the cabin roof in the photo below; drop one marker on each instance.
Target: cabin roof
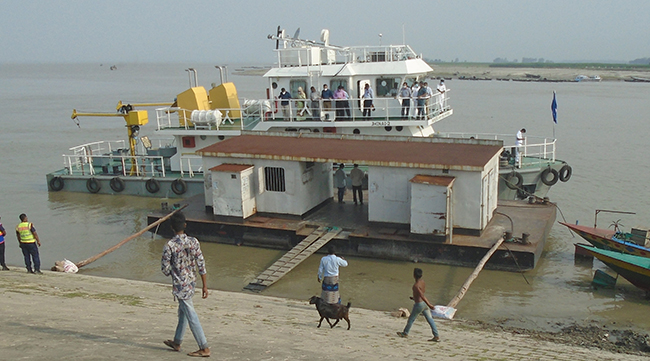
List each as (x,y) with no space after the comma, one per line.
(437,180)
(227,167)
(432,153)
(410,66)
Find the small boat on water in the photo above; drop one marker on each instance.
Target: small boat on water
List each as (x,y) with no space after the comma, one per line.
(585,78)
(610,240)
(635,269)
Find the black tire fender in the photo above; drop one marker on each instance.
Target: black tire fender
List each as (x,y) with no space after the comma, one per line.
(179,186)
(93,185)
(553,179)
(565,173)
(518,184)
(117,184)
(56,184)
(152,185)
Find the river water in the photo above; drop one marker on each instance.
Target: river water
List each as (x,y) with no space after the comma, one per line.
(601,132)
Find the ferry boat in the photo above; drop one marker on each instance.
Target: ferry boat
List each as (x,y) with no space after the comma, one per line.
(169,167)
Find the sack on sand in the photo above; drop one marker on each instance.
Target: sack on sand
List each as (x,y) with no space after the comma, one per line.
(443,312)
(69,267)
(65,266)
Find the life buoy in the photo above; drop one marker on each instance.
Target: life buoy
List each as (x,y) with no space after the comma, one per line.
(565,173)
(93,185)
(179,186)
(117,184)
(518,184)
(56,184)
(554,176)
(152,185)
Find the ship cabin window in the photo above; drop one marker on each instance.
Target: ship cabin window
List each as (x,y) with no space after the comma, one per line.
(274,179)
(387,87)
(294,84)
(334,84)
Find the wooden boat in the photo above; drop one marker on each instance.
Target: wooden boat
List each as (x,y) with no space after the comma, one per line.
(608,240)
(633,268)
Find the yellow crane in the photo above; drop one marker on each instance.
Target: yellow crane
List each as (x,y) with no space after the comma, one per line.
(134,118)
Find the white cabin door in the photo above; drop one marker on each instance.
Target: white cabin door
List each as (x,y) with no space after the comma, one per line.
(429,209)
(361,84)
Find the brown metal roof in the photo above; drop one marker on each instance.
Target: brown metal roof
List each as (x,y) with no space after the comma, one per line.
(437,180)
(387,153)
(230,167)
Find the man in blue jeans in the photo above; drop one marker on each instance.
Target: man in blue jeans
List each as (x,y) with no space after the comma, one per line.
(180,256)
(422,305)
(29,243)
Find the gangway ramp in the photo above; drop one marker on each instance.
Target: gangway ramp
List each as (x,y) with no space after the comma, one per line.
(308,246)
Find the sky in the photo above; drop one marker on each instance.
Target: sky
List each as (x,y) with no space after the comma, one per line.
(220,32)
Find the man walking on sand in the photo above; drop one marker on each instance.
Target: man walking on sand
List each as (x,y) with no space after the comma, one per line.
(422,305)
(28,240)
(180,257)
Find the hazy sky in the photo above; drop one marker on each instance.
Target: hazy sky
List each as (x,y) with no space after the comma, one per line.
(223,32)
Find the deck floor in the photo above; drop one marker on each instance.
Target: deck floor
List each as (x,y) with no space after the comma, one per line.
(534,219)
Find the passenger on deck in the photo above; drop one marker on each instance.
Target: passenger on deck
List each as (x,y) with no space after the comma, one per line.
(328,272)
(315,97)
(422,100)
(428,99)
(301,104)
(405,96)
(356,176)
(415,88)
(368,95)
(285,103)
(327,95)
(442,89)
(342,103)
(519,144)
(339,182)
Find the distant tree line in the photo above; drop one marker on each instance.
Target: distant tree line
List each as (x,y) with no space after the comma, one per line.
(524,60)
(641,61)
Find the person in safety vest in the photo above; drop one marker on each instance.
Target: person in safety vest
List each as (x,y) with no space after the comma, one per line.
(28,239)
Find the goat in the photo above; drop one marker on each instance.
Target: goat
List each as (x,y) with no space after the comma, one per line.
(331,310)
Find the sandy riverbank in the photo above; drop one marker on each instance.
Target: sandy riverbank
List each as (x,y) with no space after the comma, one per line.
(57,316)
(532,74)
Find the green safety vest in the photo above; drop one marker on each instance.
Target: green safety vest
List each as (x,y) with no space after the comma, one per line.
(24,229)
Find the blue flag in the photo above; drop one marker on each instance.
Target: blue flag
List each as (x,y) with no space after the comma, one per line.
(554,109)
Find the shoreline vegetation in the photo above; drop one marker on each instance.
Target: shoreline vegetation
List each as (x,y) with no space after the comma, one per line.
(530,72)
(79,317)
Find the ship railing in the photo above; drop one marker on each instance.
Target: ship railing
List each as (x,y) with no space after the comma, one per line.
(114,164)
(312,54)
(215,119)
(537,149)
(254,111)
(188,164)
(384,109)
(386,53)
(99,147)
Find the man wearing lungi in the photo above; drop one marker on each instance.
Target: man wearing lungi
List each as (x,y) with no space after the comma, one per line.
(328,273)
